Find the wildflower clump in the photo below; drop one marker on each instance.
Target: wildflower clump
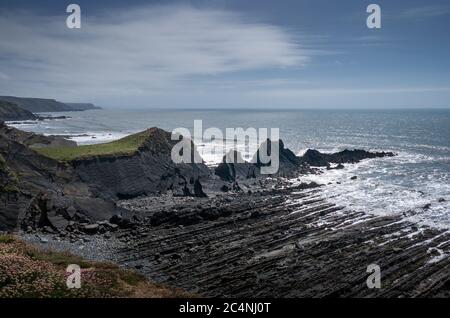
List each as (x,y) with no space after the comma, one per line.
(28,272)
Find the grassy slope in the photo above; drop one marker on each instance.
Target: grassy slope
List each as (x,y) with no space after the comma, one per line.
(125,146)
(30,272)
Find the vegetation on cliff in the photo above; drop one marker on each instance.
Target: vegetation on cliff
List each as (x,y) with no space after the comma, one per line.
(8,179)
(29,272)
(125,146)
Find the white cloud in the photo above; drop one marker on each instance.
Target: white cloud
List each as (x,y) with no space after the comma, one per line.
(324,92)
(136,52)
(425,12)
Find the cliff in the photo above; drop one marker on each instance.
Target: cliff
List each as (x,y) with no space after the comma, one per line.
(82,106)
(147,170)
(40,192)
(139,164)
(37,105)
(10,111)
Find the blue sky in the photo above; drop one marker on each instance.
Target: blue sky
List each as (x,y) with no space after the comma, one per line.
(225,54)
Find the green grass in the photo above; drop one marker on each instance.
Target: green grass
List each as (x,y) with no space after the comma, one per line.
(125,146)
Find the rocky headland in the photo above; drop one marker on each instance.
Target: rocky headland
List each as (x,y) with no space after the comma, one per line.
(43,105)
(16,109)
(10,111)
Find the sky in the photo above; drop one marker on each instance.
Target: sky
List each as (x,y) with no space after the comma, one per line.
(228,53)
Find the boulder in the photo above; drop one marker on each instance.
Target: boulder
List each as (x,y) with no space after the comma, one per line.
(90,228)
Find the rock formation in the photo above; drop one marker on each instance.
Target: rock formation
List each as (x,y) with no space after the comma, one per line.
(40,190)
(82,106)
(10,111)
(318,159)
(290,165)
(149,170)
(42,105)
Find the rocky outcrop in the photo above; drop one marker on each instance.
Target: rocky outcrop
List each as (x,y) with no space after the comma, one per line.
(60,196)
(289,165)
(37,105)
(149,170)
(318,159)
(10,111)
(234,168)
(36,191)
(43,105)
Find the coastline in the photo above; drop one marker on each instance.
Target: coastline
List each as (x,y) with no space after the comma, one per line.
(285,242)
(257,237)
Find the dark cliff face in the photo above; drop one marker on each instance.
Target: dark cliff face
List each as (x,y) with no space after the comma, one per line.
(148,171)
(40,192)
(233,168)
(10,111)
(289,164)
(43,105)
(82,106)
(37,105)
(36,191)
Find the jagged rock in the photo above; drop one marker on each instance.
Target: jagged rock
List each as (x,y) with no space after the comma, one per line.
(121,222)
(198,190)
(10,111)
(90,228)
(233,167)
(71,211)
(315,158)
(318,159)
(149,170)
(58,222)
(289,163)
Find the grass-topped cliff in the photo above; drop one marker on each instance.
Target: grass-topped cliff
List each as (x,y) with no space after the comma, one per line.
(125,146)
(26,271)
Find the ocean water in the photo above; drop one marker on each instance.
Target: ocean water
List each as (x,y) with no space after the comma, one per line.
(415,183)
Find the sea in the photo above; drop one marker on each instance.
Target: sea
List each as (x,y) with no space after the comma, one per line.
(415,183)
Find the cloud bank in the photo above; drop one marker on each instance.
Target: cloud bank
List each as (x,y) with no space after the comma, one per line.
(136,52)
